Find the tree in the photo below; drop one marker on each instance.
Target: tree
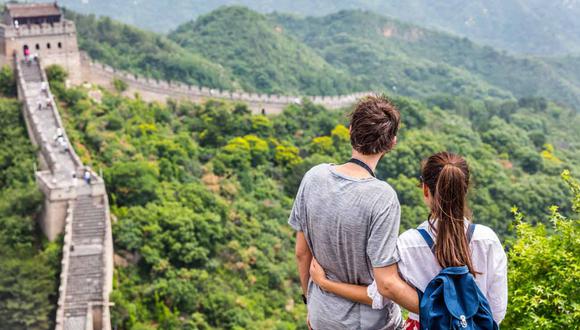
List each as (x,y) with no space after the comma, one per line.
(120,85)
(132,183)
(27,289)
(7,82)
(56,74)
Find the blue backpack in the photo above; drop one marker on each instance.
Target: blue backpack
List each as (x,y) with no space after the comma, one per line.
(452,299)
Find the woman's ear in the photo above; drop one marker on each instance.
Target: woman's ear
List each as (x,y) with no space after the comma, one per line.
(394,141)
(426,193)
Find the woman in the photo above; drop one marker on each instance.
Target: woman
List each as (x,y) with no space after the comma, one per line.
(445,183)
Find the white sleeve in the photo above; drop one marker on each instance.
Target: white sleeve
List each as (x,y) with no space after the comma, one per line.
(497,287)
(378,301)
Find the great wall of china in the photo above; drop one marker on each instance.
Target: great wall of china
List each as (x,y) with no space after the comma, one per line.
(159,90)
(77,205)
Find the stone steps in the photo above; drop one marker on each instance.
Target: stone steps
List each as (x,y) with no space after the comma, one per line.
(85,276)
(31,72)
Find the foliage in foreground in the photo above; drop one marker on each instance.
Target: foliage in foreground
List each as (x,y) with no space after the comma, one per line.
(544,270)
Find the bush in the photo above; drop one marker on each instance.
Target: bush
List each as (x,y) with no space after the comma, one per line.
(544,275)
(7,81)
(56,73)
(120,85)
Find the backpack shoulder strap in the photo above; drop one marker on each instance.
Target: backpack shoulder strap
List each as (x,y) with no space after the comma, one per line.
(430,242)
(426,237)
(470,231)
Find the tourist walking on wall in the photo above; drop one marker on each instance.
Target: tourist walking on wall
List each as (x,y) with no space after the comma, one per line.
(59,134)
(349,221)
(27,55)
(62,143)
(87,176)
(44,88)
(446,239)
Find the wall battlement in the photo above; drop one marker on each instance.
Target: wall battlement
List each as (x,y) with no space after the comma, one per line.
(10,31)
(160,90)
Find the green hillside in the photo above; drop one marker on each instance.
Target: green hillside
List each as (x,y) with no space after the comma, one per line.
(235,48)
(128,48)
(387,52)
(531,26)
(262,57)
(567,67)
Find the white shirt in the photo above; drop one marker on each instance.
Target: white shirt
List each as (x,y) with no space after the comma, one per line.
(418,266)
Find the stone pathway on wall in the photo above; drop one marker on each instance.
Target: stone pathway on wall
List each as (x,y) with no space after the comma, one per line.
(47,125)
(84,278)
(85,273)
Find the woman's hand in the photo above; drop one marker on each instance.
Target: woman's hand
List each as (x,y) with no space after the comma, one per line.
(317,274)
(352,292)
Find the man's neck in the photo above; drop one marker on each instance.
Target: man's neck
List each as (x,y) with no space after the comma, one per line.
(356,171)
(371,160)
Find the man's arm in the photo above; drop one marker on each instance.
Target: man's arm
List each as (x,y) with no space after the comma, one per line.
(390,285)
(303,259)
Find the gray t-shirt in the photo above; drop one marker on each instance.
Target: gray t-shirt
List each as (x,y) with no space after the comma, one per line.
(351,226)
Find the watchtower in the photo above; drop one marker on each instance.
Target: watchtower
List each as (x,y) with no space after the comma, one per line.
(40,30)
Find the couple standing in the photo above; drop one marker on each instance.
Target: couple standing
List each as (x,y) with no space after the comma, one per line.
(355,271)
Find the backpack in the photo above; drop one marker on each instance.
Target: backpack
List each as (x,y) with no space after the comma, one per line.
(452,299)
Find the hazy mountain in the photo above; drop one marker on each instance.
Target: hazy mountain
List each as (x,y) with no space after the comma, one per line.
(527,26)
(236,48)
(377,48)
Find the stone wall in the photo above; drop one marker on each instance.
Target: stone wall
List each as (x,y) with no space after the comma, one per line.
(62,194)
(64,264)
(156,90)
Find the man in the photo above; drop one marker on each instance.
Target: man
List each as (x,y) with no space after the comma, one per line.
(349,221)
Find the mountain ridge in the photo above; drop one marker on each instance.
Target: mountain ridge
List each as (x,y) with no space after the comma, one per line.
(235,48)
(532,26)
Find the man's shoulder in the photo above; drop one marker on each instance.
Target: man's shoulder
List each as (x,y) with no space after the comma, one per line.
(381,189)
(317,169)
(316,172)
(385,187)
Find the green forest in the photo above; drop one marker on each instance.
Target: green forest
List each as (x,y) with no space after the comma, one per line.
(200,193)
